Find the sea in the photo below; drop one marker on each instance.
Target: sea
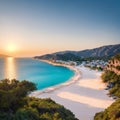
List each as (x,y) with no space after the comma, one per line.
(43,74)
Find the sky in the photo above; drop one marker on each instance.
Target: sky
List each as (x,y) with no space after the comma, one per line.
(36,27)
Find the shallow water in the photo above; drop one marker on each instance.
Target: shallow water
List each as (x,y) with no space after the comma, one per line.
(42,74)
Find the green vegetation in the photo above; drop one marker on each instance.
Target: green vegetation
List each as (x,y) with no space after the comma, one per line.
(112,112)
(16,105)
(110,76)
(68,57)
(118,68)
(116,57)
(104,58)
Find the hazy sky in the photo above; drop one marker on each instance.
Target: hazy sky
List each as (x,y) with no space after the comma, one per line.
(34,27)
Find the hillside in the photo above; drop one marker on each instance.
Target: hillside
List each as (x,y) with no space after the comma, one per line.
(2,56)
(101,52)
(16,105)
(109,50)
(112,77)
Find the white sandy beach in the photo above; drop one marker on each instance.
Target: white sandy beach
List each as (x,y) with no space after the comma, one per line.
(84,97)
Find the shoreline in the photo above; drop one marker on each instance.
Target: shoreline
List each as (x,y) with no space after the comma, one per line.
(84,97)
(73,79)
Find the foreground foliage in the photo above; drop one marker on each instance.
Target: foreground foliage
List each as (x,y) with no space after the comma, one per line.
(16,105)
(111,77)
(112,112)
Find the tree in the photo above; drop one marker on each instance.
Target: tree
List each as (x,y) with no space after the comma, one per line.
(16,105)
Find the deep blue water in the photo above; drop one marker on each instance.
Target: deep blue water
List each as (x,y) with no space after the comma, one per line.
(42,74)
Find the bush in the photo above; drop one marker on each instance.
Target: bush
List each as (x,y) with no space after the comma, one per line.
(108,76)
(111,113)
(16,105)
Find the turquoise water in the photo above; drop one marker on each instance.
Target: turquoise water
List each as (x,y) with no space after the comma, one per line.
(42,74)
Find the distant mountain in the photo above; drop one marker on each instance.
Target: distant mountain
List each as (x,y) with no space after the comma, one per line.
(109,50)
(100,52)
(3,56)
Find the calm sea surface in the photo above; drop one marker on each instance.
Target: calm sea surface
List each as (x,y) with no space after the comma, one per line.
(42,74)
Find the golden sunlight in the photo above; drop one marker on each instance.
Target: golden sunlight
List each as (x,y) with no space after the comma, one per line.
(10,68)
(11,48)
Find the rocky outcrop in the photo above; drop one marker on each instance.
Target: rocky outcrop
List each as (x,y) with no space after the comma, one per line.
(114,64)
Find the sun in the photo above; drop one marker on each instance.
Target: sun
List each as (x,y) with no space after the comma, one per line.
(11,48)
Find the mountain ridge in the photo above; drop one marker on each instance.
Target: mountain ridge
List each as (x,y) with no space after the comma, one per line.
(103,51)
(3,56)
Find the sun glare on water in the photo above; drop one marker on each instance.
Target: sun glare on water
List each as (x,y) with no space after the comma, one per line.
(10,68)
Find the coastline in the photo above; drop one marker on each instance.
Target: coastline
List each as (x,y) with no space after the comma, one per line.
(70,81)
(84,97)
